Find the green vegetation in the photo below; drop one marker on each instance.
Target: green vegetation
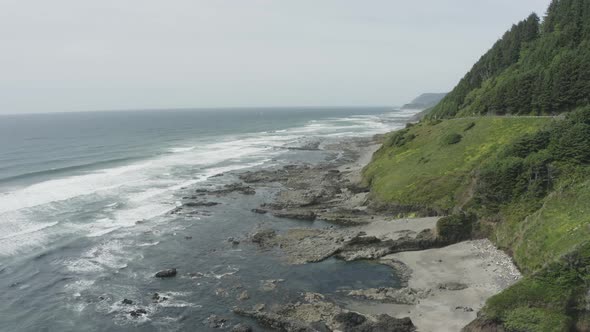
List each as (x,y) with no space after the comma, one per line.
(452,138)
(533,69)
(527,183)
(469,126)
(524,182)
(419,171)
(547,300)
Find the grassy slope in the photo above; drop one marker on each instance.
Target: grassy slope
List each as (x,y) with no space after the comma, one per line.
(552,231)
(424,171)
(427,172)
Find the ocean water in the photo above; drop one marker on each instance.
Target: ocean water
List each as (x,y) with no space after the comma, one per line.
(84,222)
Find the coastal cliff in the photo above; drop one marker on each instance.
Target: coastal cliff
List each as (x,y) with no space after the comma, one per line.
(521,181)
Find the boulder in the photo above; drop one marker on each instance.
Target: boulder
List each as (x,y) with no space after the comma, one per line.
(137,312)
(215,322)
(166,273)
(348,320)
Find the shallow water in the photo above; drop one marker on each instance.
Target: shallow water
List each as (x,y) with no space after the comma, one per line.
(71,247)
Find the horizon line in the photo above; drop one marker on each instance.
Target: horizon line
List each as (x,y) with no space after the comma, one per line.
(393,107)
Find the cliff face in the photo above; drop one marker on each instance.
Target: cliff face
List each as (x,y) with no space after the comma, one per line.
(525,179)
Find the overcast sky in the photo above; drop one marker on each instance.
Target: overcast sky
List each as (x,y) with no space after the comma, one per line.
(75,55)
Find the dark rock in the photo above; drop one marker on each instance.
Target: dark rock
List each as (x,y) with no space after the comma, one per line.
(137,312)
(233,241)
(274,321)
(259,211)
(263,236)
(295,214)
(157,298)
(127,301)
(466,309)
(319,327)
(241,328)
(385,323)
(176,210)
(199,204)
(166,273)
(264,176)
(349,319)
(215,322)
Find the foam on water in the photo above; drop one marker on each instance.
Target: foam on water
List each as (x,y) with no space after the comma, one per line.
(102,201)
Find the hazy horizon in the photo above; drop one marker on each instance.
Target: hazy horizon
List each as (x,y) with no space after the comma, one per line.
(65,55)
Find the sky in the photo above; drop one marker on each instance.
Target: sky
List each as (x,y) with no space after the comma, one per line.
(76,55)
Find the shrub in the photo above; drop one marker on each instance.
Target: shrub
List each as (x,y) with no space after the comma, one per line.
(399,138)
(527,144)
(451,139)
(498,182)
(573,144)
(455,228)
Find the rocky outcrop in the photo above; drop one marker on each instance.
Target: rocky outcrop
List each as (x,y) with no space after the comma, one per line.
(295,214)
(371,247)
(200,204)
(264,237)
(215,322)
(392,295)
(169,273)
(385,323)
(306,245)
(314,313)
(228,189)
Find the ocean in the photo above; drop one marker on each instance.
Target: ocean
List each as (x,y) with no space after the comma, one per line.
(84,214)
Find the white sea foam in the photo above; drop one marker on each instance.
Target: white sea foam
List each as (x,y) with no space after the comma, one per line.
(34,215)
(182,149)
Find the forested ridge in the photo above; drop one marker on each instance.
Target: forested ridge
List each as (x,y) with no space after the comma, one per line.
(534,69)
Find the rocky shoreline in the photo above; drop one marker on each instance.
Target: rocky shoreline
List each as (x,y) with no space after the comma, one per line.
(441,286)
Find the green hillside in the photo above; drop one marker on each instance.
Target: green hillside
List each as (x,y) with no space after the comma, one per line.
(526,179)
(416,166)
